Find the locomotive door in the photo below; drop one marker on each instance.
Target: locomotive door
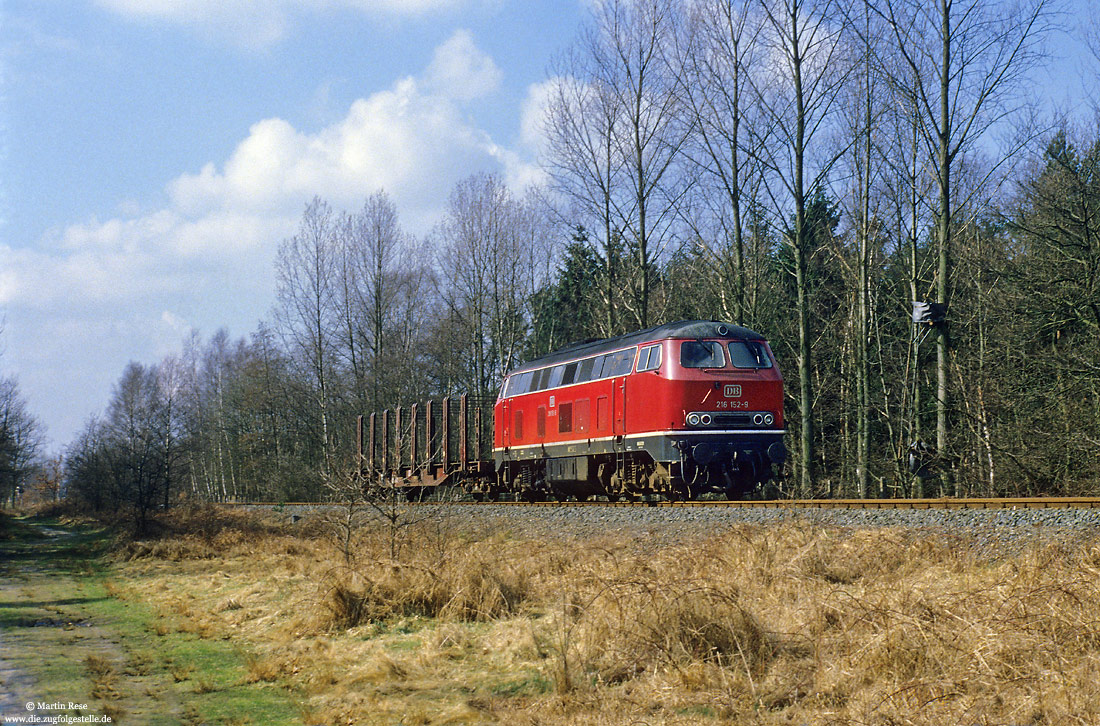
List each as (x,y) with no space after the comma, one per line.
(618,405)
(506,424)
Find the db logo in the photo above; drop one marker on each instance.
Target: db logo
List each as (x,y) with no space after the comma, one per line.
(732,392)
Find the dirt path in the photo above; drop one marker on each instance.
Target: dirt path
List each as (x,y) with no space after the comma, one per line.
(59,644)
(14,682)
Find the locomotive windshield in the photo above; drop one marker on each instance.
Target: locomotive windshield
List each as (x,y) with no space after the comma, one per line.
(749,355)
(701,354)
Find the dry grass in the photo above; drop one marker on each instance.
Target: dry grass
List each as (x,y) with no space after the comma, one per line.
(104,678)
(466,585)
(783,624)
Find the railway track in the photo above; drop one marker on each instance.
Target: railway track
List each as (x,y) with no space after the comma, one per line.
(941,503)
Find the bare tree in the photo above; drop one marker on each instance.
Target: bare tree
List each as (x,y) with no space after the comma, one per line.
(374,262)
(961,66)
(171,377)
(307,295)
(584,162)
(135,443)
(631,51)
(615,136)
(20,440)
(716,54)
(489,243)
(797,92)
(864,109)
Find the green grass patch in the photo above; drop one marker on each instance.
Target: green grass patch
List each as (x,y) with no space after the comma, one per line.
(533,685)
(69,631)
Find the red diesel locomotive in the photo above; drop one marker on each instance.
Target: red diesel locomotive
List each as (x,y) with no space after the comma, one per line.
(677,410)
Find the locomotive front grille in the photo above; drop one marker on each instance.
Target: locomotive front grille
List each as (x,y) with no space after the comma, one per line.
(729,419)
(732,420)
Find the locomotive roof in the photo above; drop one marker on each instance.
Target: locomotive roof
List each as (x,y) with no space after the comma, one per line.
(688,329)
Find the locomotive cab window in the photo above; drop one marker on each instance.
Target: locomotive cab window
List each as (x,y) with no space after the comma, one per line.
(702,354)
(745,354)
(650,358)
(519,383)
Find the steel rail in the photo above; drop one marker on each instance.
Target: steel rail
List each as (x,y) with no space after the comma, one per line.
(941,503)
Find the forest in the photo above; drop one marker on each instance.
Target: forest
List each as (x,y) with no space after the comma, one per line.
(808,169)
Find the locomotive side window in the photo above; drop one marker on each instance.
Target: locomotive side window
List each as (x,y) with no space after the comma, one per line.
(701,354)
(598,364)
(570,374)
(584,372)
(618,363)
(650,358)
(749,355)
(556,374)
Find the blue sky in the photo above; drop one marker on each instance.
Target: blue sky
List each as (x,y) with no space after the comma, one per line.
(153,154)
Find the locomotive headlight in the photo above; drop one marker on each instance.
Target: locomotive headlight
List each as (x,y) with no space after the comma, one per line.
(693,419)
(705,419)
(758,419)
(769,419)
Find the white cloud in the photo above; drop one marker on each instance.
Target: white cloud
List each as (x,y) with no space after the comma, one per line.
(532,122)
(260,23)
(252,23)
(119,288)
(460,70)
(411,143)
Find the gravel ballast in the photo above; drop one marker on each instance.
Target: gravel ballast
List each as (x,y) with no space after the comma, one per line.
(993,530)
